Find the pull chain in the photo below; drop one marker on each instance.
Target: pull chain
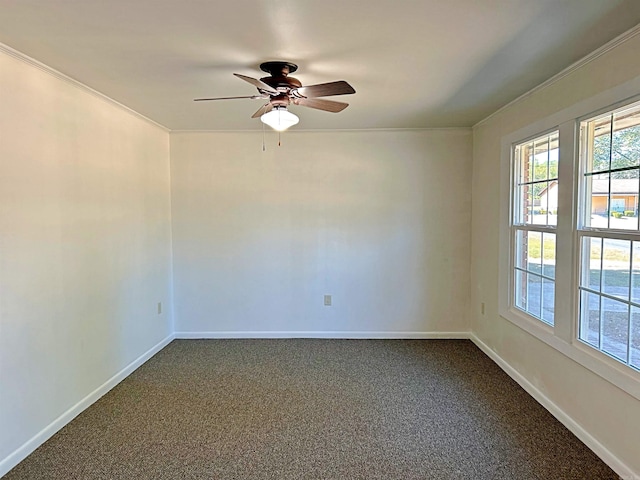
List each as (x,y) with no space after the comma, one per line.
(264,147)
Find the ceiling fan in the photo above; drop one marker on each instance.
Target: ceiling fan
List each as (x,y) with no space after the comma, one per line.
(280,90)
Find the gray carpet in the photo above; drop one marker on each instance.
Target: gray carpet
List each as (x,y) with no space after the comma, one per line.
(315,409)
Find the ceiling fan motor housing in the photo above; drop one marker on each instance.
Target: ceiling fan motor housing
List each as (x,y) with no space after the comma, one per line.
(280,79)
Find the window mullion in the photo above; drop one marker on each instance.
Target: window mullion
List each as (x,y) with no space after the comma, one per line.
(565,240)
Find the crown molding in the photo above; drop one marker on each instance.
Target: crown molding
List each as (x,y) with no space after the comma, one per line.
(619,40)
(338,130)
(11,52)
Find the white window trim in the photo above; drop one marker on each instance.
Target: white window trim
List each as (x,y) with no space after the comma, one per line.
(563,335)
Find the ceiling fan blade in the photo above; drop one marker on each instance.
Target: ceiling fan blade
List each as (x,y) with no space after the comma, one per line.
(320,104)
(325,89)
(262,110)
(252,97)
(257,83)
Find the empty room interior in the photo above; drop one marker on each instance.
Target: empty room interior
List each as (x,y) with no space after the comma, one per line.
(434,272)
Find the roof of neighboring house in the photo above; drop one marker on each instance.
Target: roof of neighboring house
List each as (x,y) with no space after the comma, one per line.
(552,184)
(618,185)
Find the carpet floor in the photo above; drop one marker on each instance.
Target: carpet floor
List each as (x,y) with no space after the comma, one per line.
(315,409)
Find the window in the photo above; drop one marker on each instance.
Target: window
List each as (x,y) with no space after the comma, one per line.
(608,234)
(569,264)
(535,210)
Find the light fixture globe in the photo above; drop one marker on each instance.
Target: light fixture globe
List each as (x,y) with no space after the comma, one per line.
(279,118)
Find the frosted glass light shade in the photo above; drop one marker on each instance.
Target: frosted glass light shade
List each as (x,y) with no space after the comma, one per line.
(279,119)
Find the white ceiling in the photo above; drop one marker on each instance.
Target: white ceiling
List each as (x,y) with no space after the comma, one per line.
(413,63)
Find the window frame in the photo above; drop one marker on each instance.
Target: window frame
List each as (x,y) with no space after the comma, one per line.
(564,335)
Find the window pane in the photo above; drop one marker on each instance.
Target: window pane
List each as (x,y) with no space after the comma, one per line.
(615,328)
(552,214)
(541,197)
(534,292)
(520,290)
(635,338)
(529,251)
(616,262)
(590,318)
(548,299)
(521,249)
(541,159)
(611,142)
(597,189)
(525,160)
(540,201)
(534,252)
(591,268)
(528,205)
(600,139)
(554,152)
(624,200)
(589,209)
(525,208)
(549,254)
(547,195)
(626,131)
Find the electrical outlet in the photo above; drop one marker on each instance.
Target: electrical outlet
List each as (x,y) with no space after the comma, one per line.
(327,300)
(159,308)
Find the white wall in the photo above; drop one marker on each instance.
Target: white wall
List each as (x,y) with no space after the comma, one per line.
(85,248)
(379,220)
(609,417)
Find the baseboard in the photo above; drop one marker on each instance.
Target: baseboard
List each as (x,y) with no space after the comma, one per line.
(585,437)
(25,450)
(324,334)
